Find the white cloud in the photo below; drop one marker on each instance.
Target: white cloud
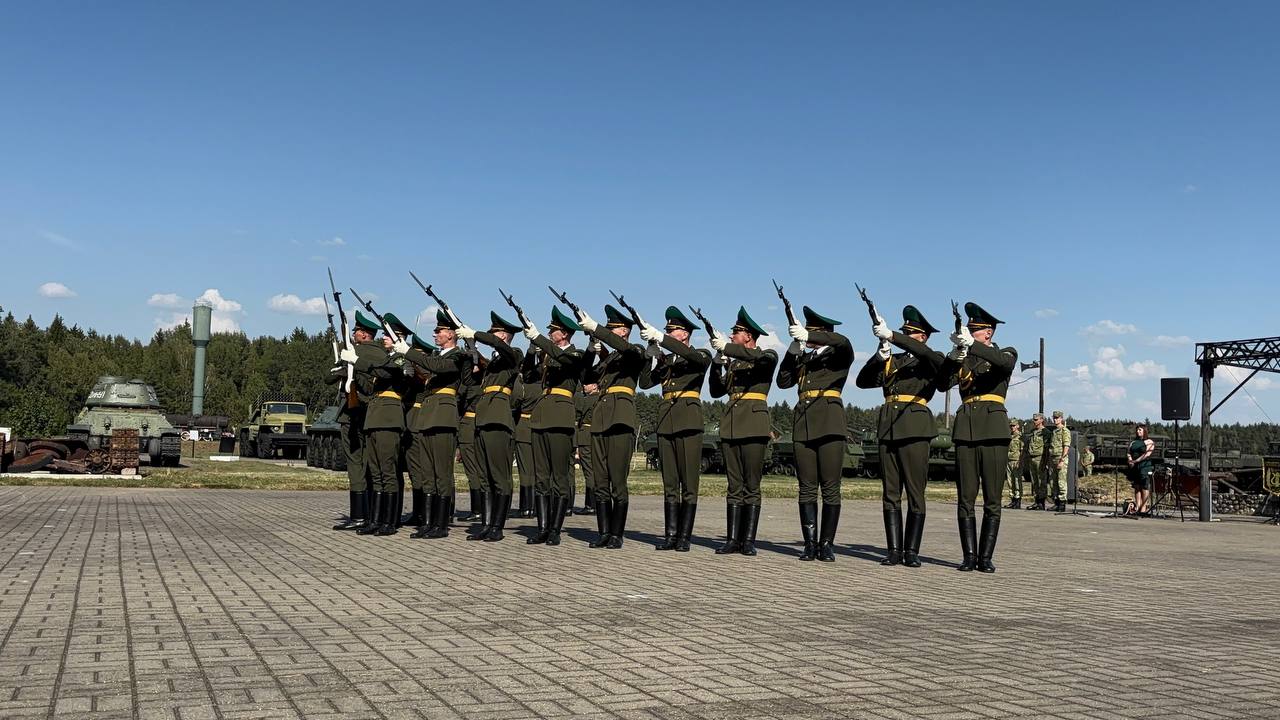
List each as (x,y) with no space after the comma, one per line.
(1113,393)
(1169,341)
(1107,352)
(425,321)
(1232,377)
(1109,327)
(295,305)
(1045,313)
(226,313)
(166,300)
(54,238)
(335,242)
(56,290)
(1080,373)
(1113,368)
(219,303)
(774,340)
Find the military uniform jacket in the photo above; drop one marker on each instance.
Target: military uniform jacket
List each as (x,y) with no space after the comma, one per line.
(819,378)
(1036,446)
(746,380)
(983,379)
(560,369)
(909,380)
(619,373)
(439,404)
(528,391)
(1015,450)
(497,385)
(347,414)
(380,378)
(1059,443)
(681,374)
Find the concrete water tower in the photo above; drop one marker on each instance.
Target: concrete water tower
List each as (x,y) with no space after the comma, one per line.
(201,316)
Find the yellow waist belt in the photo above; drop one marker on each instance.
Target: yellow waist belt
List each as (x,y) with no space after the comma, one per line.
(418,405)
(811,394)
(444,391)
(564,392)
(748,396)
(620,389)
(525,416)
(984,398)
(497,388)
(906,399)
(468,414)
(677,394)
(389,393)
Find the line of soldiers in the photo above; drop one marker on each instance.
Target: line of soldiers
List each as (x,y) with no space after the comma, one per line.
(1041,455)
(545,406)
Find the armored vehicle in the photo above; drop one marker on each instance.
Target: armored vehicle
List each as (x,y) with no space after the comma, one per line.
(275,425)
(324,442)
(942,456)
(118,403)
(712,460)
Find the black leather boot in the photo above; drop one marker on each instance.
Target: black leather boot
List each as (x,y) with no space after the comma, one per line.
(414,518)
(569,501)
(476,512)
(588,503)
(352,521)
(892,537)
(524,502)
(429,513)
(827,533)
(750,520)
(497,518)
(540,503)
(373,522)
(684,531)
(440,523)
(617,525)
(391,515)
(604,509)
(733,523)
(987,544)
(911,540)
(1014,504)
(531,509)
(555,519)
(809,531)
(671,526)
(968,543)
(486,521)
(396,519)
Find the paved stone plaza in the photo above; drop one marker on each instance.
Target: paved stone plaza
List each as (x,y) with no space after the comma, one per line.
(225,604)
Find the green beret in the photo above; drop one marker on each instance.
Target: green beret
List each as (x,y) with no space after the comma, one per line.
(813,319)
(914,321)
(677,319)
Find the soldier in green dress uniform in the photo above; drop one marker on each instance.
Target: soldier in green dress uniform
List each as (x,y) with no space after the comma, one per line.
(415,453)
(1015,465)
(468,397)
(437,419)
(381,379)
(351,431)
(613,421)
(680,373)
(1059,451)
(743,372)
(981,369)
(817,365)
(584,403)
(527,393)
(905,426)
(493,421)
(553,422)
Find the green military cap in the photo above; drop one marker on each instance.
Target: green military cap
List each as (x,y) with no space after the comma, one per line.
(814,320)
(677,319)
(914,321)
(1015,423)
(746,323)
(613,317)
(1057,414)
(423,345)
(395,324)
(364,323)
(979,318)
(444,321)
(496,323)
(560,321)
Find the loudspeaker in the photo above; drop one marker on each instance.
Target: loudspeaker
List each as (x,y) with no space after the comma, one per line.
(1175,398)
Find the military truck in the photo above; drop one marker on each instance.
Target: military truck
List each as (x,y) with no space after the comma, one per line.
(119,403)
(712,460)
(275,425)
(324,441)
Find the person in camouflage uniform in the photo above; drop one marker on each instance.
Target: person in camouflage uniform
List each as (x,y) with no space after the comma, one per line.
(1059,455)
(1086,462)
(1037,451)
(1015,465)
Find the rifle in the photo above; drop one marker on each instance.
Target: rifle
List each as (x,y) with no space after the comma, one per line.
(395,337)
(469,343)
(519,312)
(786,304)
(871,307)
(352,399)
(955,310)
(652,350)
(568,303)
(711,331)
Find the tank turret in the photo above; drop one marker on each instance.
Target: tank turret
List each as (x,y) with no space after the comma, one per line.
(116,403)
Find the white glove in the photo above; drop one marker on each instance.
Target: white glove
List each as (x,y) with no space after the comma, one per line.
(586,322)
(798,332)
(959,353)
(719,342)
(348,355)
(401,346)
(595,346)
(465,332)
(337,368)
(881,329)
(650,333)
(962,339)
(531,332)
(885,350)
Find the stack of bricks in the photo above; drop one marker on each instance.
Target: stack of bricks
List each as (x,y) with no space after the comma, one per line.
(124,448)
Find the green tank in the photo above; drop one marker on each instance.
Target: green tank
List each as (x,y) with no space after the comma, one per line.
(324,441)
(712,460)
(117,403)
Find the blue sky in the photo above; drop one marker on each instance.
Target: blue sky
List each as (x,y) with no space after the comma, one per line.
(1102,175)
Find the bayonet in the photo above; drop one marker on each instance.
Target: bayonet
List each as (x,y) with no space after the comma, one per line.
(786,304)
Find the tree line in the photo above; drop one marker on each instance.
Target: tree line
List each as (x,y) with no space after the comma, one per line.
(45,374)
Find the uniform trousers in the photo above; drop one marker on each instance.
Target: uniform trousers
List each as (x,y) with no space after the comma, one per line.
(553,462)
(492,451)
(904,463)
(818,467)
(353,448)
(1014,474)
(984,464)
(435,450)
(611,463)
(382,458)
(743,467)
(680,456)
(524,462)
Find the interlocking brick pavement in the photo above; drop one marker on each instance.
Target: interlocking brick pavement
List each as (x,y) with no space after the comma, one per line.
(182,605)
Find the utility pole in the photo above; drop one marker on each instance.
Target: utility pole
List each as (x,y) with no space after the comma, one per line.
(1041,376)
